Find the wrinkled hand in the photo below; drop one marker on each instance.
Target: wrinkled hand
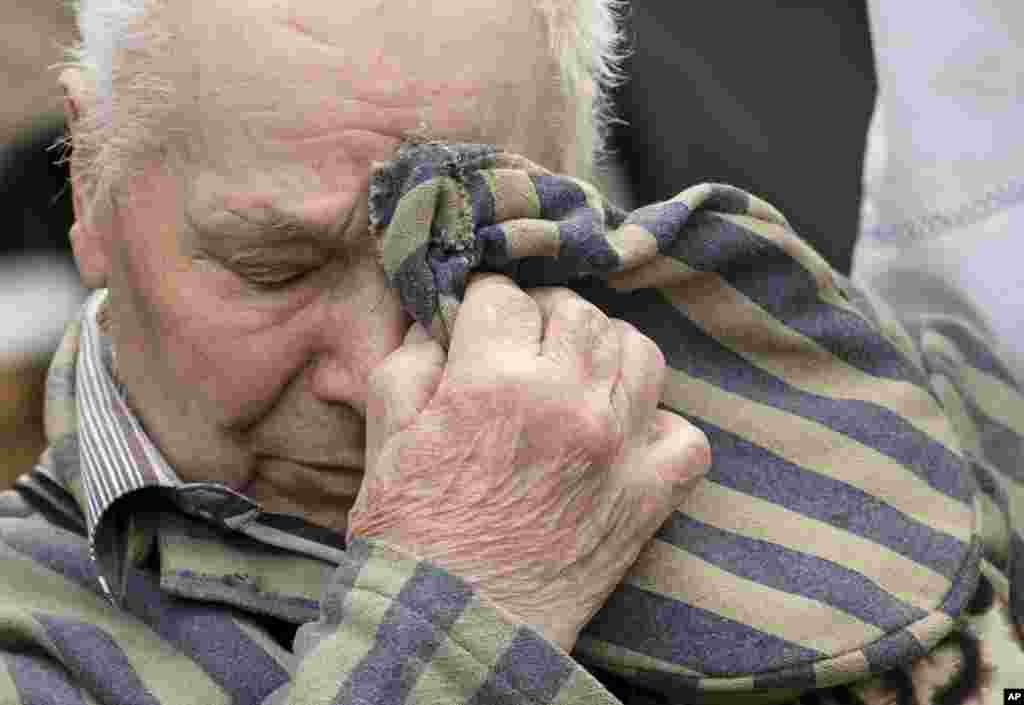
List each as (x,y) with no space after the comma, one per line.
(532,461)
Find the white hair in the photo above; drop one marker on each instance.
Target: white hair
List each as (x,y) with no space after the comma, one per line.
(119,42)
(587,39)
(122,41)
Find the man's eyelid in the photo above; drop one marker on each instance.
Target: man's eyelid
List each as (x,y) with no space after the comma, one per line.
(268,225)
(256,253)
(261,269)
(335,233)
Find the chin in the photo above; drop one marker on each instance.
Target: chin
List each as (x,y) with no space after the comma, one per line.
(321,493)
(333,516)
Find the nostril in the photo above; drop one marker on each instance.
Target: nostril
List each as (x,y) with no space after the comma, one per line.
(334,384)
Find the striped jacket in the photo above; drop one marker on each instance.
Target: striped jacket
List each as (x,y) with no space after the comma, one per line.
(865,468)
(841,533)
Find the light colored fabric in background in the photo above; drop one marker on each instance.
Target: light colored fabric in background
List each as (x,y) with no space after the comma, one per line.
(39,294)
(943,213)
(944,191)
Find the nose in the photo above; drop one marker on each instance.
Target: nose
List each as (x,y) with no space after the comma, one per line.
(359,323)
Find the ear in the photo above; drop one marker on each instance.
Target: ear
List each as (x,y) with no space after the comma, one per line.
(89,239)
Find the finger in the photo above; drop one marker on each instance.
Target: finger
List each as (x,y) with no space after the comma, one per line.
(679,456)
(577,334)
(400,387)
(660,475)
(496,318)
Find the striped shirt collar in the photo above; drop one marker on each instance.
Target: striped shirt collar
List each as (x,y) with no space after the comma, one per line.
(120,479)
(117,456)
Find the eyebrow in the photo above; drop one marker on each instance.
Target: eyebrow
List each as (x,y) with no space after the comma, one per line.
(284,226)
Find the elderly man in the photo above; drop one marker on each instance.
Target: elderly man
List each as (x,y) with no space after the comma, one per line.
(248,350)
(265,484)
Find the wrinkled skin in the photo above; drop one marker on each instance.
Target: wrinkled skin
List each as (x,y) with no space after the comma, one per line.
(245,354)
(247,350)
(532,459)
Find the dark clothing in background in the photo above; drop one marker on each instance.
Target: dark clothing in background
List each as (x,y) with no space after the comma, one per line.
(34,194)
(774,98)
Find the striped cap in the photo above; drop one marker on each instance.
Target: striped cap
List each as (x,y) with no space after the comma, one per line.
(836,535)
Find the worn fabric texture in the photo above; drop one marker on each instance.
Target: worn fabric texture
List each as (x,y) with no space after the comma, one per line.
(840,537)
(846,519)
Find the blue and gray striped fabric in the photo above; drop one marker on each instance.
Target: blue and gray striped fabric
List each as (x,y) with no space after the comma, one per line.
(865,476)
(838,533)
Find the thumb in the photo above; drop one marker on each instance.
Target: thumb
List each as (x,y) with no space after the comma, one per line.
(678,456)
(400,387)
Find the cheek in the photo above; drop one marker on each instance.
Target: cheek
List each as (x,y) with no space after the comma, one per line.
(239,365)
(197,331)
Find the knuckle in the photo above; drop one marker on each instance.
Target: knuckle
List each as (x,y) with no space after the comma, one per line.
(697,451)
(500,299)
(651,351)
(601,431)
(625,328)
(581,312)
(594,332)
(656,355)
(689,454)
(509,304)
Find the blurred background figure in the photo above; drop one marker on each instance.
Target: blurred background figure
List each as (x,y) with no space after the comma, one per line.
(773,98)
(32,33)
(39,289)
(943,221)
(38,294)
(944,201)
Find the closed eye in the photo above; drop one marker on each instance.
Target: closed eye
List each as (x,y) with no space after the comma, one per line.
(272,281)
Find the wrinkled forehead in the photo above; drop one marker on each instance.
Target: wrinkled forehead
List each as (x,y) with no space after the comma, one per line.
(266,73)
